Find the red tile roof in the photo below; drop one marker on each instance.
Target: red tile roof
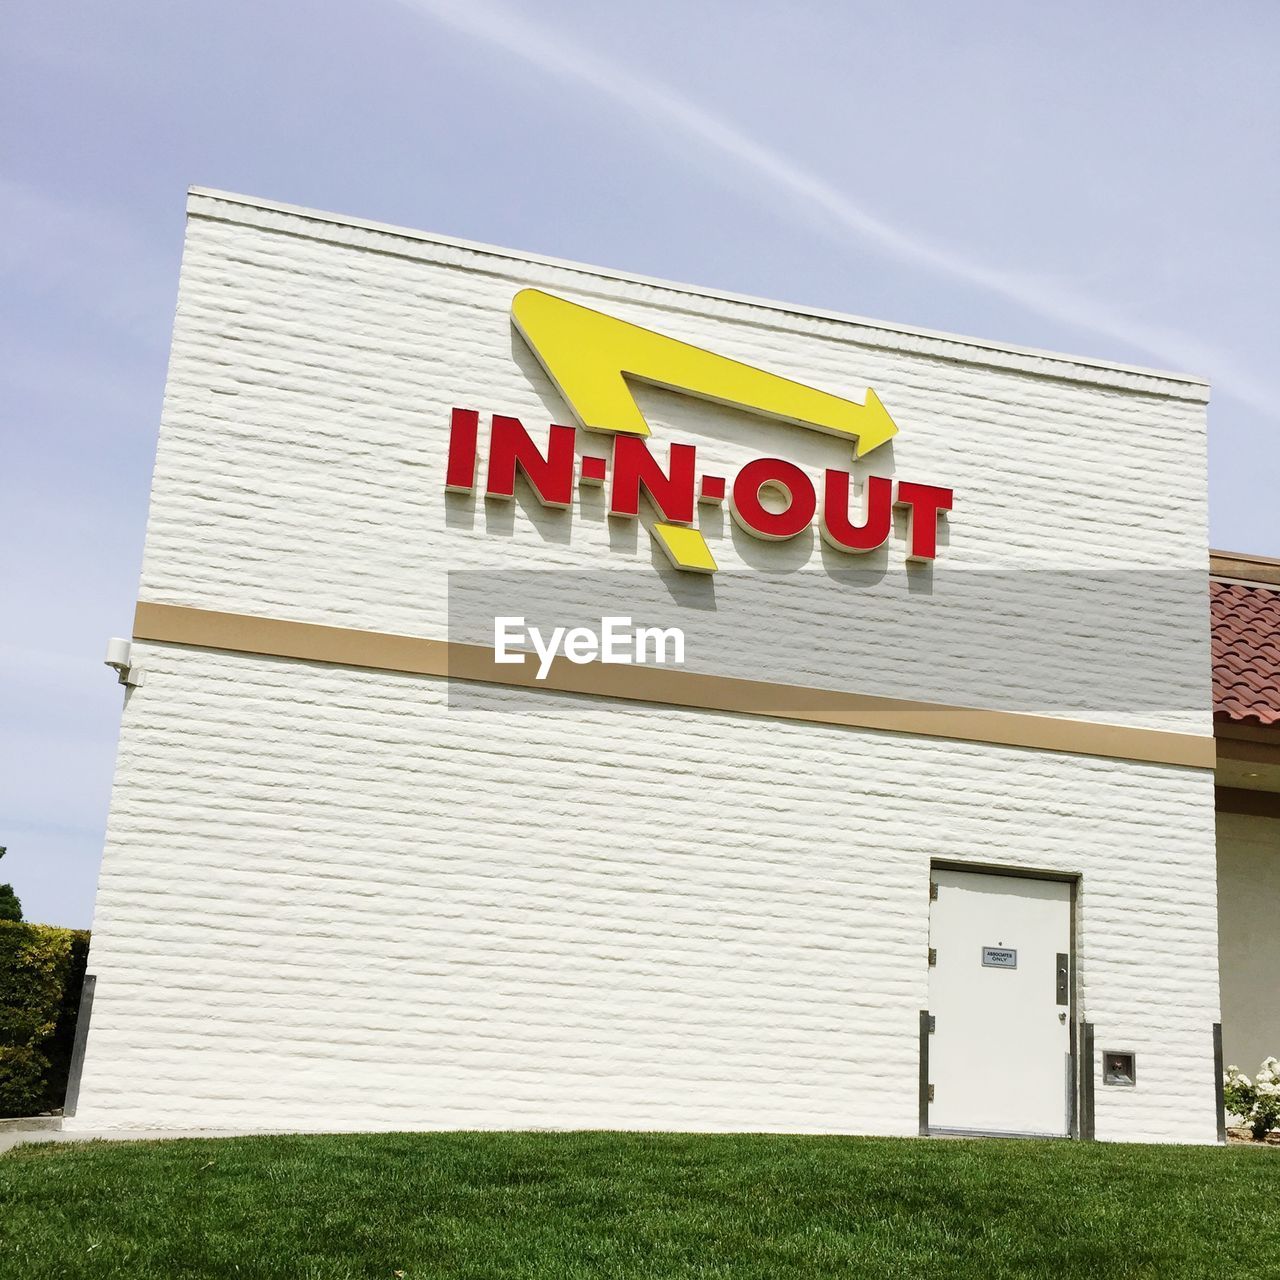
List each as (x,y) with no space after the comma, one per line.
(1246,653)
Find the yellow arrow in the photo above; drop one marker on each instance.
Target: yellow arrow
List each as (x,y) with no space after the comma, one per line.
(686,548)
(589,356)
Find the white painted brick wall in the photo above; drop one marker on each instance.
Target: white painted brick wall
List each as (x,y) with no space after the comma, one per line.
(331,900)
(301,468)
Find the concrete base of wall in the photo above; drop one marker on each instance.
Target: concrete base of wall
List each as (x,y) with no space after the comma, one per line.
(24,1124)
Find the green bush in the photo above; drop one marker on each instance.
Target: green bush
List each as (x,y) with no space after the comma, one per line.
(41,973)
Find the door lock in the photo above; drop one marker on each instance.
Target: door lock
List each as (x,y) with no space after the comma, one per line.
(1063,975)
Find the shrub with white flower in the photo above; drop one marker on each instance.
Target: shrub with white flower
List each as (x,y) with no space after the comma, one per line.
(1256,1102)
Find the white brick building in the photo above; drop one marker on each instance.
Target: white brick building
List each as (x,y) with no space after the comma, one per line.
(358,876)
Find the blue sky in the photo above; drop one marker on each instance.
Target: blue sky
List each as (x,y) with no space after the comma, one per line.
(1097,178)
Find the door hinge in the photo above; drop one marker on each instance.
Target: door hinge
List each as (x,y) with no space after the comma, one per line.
(931,1093)
(933,891)
(933,1023)
(933,955)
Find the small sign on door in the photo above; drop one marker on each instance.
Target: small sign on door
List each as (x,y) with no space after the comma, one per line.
(999,958)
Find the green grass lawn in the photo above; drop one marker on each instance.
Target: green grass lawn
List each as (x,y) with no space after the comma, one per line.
(629,1205)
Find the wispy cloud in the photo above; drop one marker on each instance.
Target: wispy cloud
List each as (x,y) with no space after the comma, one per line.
(672,117)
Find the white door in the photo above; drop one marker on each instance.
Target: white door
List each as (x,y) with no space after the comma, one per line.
(999,992)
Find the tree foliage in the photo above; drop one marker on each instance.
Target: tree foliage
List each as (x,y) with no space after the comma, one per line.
(10,905)
(41,973)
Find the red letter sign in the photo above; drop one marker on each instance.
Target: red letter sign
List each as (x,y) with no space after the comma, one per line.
(755,517)
(924,501)
(635,468)
(875,528)
(461,475)
(510,447)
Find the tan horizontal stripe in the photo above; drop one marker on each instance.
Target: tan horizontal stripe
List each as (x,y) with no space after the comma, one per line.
(310,642)
(1229,564)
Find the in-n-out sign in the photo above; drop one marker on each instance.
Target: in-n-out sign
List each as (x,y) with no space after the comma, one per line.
(589,356)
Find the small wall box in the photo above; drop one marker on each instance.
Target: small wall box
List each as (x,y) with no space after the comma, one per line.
(1119,1066)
